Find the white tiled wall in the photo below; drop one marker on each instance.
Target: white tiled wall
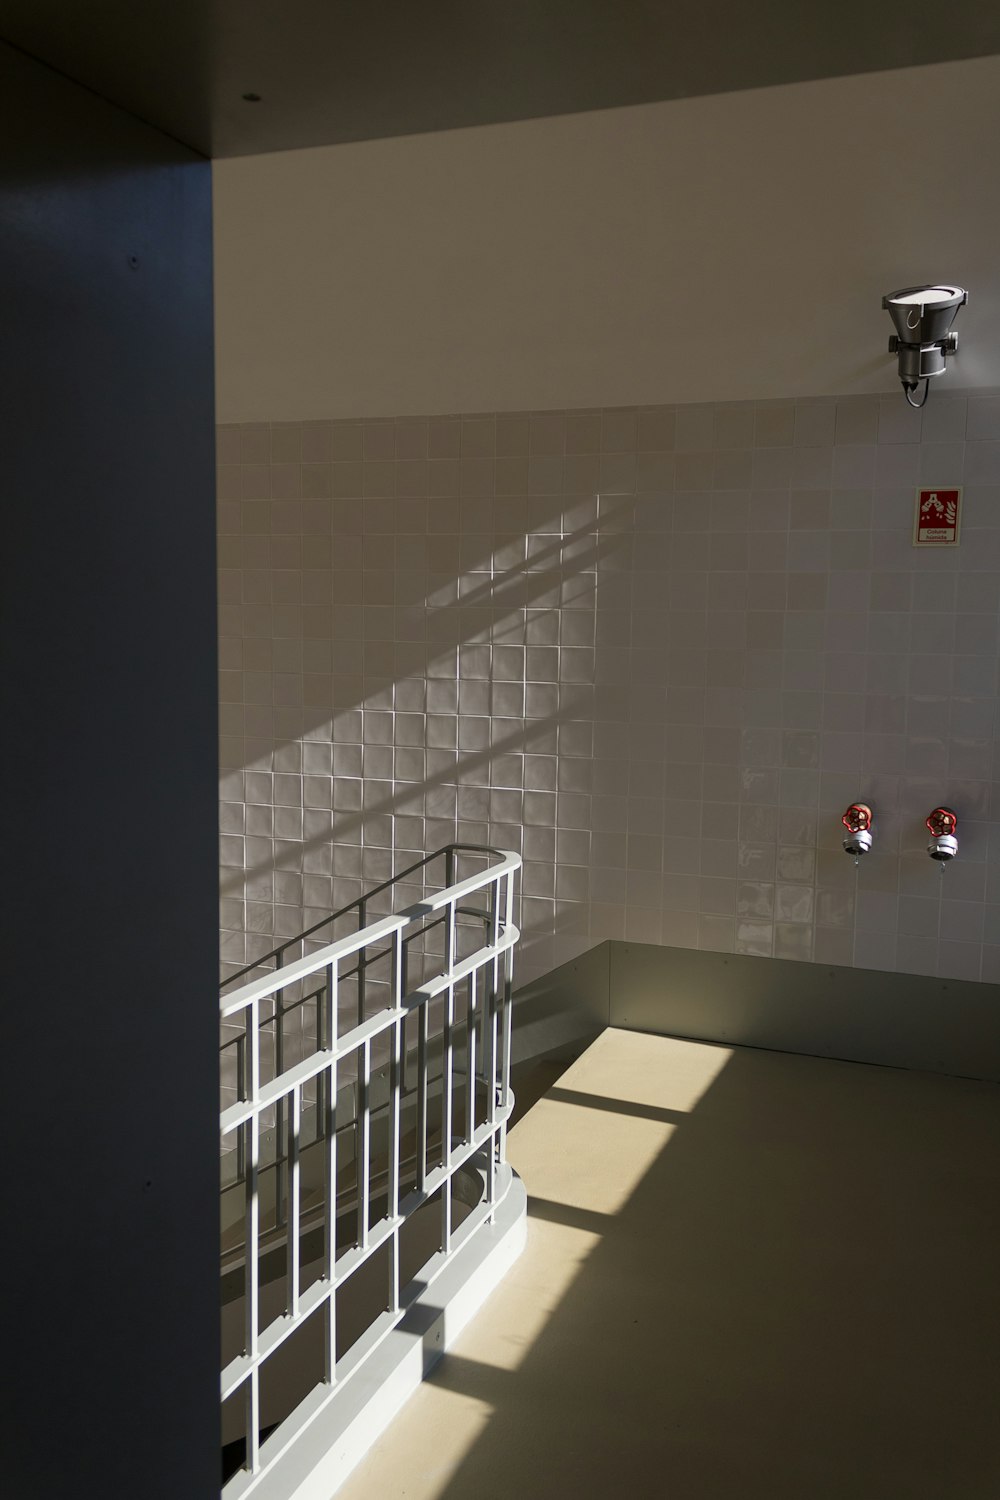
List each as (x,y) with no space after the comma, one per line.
(658,651)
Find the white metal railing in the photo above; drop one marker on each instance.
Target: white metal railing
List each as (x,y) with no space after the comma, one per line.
(455,1117)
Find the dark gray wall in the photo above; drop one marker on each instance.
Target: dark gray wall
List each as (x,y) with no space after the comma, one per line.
(110,1264)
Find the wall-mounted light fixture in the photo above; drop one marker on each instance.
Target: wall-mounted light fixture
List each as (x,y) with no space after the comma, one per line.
(941,825)
(858,822)
(923,316)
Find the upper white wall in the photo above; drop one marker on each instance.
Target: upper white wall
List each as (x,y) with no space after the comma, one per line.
(720,248)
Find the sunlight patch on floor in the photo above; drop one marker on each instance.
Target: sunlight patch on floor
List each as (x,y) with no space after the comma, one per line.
(663,1072)
(570,1150)
(584,1157)
(746,1273)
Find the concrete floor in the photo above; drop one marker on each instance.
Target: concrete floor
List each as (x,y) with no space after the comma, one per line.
(747,1274)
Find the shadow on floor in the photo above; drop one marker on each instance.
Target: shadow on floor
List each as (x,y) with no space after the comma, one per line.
(532,1080)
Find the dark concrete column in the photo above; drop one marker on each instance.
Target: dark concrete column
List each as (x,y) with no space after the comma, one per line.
(108,1032)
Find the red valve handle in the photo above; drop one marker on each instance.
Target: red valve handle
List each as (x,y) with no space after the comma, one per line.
(941,821)
(857,818)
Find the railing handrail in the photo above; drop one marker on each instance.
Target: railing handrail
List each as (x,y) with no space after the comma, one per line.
(369,895)
(462,911)
(345,947)
(475,1103)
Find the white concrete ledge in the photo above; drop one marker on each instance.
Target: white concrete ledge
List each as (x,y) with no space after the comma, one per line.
(347,1419)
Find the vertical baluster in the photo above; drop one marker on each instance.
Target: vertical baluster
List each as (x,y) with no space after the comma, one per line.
(279,1109)
(364,1143)
(421,1147)
(404,986)
(494,942)
(322,1078)
(447,1073)
(251,1298)
(252,1418)
(241,1093)
(362,958)
(330,1175)
(470,1058)
(294,1199)
(508,1008)
(491,1048)
(395,1079)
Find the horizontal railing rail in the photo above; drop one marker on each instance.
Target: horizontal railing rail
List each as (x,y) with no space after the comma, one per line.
(460,1008)
(360,905)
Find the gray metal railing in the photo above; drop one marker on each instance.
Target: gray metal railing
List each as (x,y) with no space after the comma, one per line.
(431,981)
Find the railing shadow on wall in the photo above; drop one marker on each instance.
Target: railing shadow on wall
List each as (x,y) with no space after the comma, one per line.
(758,649)
(566,570)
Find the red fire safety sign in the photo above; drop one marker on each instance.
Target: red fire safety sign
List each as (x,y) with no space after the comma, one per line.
(937,518)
